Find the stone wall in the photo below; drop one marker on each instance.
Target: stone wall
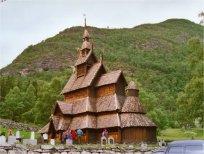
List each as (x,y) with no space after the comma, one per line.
(15,125)
(61,149)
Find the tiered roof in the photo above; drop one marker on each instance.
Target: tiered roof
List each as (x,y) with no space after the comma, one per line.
(83,121)
(132,105)
(109,103)
(110,78)
(135,120)
(64,107)
(75,83)
(132,113)
(45,129)
(60,123)
(83,59)
(108,120)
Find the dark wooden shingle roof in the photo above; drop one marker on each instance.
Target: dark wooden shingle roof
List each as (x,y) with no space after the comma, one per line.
(132,85)
(108,120)
(75,83)
(109,78)
(45,129)
(65,107)
(132,104)
(83,59)
(60,123)
(135,120)
(82,105)
(109,103)
(83,121)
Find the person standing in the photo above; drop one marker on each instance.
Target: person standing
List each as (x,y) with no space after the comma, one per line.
(79,135)
(69,135)
(64,136)
(74,135)
(105,133)
(10,133)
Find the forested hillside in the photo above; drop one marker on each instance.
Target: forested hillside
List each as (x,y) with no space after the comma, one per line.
(156,56)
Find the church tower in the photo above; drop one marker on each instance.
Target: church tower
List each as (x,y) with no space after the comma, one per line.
(86,57)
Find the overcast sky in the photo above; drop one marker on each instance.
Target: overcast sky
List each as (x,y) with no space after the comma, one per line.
(26,22)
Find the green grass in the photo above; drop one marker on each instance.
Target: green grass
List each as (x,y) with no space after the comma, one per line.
(181,134)
(24,134)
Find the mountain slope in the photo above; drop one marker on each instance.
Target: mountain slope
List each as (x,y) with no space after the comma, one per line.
(154,54)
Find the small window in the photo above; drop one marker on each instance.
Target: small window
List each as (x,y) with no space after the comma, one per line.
(176,150)
(83,54)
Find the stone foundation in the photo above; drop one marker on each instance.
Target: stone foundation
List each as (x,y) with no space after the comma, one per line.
(61,149)
(5,123)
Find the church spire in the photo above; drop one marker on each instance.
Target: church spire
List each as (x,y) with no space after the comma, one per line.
(86,33)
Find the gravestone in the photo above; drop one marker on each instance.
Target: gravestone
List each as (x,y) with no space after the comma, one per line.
(52,141)
(69,142)
(103,140)
(111,140)
(143,146)
(11,139)
(29,142)
(32,135)
(162,143)
(17,134)
(45,137)
(2,140)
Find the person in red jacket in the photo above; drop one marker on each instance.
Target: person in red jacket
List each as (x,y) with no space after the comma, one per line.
(74,135)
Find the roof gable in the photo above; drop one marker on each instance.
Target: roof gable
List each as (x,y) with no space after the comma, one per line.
(64,107)
(83,59)
(110,78)
(75,83)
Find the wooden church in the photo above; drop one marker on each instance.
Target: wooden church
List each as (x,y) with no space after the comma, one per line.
(95,99)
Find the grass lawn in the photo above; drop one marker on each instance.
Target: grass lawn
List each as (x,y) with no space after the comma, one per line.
(24,134)
(181,134)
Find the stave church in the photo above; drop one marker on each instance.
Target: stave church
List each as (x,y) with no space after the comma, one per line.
(95,99)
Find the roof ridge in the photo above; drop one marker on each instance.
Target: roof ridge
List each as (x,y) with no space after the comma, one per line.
(111,72)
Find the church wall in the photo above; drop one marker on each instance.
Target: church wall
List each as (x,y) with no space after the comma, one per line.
(76,94)
(94,136)
(138,134)
(105,90)
(81,70)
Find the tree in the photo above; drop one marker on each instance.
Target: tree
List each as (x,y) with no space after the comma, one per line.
(13,105)
(29,99)
(190,101)
(47,96)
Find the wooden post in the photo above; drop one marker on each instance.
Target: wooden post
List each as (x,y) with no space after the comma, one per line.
(87,136)
(119,135)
